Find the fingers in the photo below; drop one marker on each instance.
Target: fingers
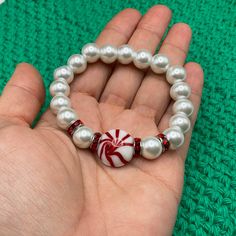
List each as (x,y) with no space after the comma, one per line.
(195,80)
(153,97)
(117,32)
(23,95)
(147,36)
(93,80)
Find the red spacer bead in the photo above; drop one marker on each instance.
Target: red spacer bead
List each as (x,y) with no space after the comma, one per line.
(137,147)
(165,142)
(72,127)
(94,144)
(161,136)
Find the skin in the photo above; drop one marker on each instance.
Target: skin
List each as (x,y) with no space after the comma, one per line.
(49,187)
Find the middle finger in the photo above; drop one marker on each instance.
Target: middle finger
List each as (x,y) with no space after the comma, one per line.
(125,80)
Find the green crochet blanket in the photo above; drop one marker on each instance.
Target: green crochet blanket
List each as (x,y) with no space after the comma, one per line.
(46,32)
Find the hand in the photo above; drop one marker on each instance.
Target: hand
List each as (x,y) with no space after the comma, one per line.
(48,187)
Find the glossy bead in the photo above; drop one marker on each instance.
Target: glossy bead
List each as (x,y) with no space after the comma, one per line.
(73,126)
(77,63)
(65,117)
(91,52)
(59,86)
(180,120)
(159,63)
(115,148)
(183,106)
(83,137)
(108,54)
(125,54)
(142,59)
(58,102)
(137,147)
(175,74)
(151,147)
(64,72)
(94,145)
(164,141)
(180,90)
(175,137)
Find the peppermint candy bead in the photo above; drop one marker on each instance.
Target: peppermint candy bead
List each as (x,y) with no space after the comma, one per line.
(116,147)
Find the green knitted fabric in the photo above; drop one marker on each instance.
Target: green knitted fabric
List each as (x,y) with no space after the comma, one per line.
(46,32)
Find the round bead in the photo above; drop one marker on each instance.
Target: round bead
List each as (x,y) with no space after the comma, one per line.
(108,54)
(180,90)
(77,63)
(59,86)
(83,137)
(64,72)
(125,54)
(142,59)
(181,121)
(115,148)
(175,137)
(183,105)
(175,74)
(159,63)
(65,117)
(58,102)
(151,147)
(91,52)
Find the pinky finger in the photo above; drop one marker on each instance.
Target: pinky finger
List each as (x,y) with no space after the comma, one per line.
(195,79)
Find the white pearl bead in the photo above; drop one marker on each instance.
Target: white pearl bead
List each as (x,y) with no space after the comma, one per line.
(183,105)
(65,117)
(175,137)
(77,63)
(83,137)
(91,52)
(180,90)
(159,63)
(125,54)
(58,102)
(59,86)
(142,59)
(151,147)
(64,72)
(108,54)
(175,74)
(181,121)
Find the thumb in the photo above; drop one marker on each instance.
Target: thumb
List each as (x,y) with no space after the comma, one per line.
(23,95)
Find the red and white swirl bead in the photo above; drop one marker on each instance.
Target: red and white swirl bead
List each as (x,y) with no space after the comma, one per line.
(116,147)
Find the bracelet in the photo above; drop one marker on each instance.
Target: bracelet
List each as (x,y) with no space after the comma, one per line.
(116,147)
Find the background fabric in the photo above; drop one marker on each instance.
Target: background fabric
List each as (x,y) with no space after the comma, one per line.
(46,32)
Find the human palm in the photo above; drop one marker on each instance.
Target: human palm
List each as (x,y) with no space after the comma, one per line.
(49,187)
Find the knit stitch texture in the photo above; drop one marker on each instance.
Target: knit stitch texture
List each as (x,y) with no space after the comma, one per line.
(46,32)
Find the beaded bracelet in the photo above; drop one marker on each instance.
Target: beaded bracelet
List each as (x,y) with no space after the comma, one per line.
(116,147)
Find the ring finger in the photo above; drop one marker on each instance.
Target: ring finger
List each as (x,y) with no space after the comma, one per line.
(153,97)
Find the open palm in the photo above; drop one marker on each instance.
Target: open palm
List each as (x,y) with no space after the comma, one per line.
(48,187)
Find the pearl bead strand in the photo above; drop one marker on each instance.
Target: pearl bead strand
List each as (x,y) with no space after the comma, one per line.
(116,147)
